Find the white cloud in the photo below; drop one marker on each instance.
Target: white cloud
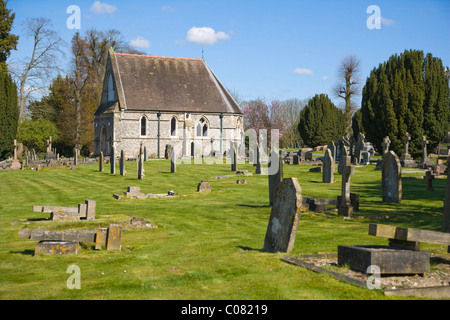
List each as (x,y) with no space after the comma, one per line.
(101,8)
(140,42)
(326,78)
(205,36)
(303,72)
(167,9)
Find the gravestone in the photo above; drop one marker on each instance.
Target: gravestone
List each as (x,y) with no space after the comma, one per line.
(114,241)
(328,167)
(425,161)
(344,205)
(391,178)
(429,179)
(275,175)
(141,164)
(332,147)
(15,164)
(113,161)
(204,186)
(259,167)
(100,163)
(446,216)
(122,164)
(173,161)
(284,217)
(75,157)
(359,147)
(407,160)
(365,158)
(234,166)
(385,145)
(145,154)
(344,159)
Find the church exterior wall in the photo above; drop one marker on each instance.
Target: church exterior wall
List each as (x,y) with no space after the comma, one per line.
(124,130)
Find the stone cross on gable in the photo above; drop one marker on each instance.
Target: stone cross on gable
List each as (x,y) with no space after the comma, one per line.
(424,143)
(385,144)
(406,140)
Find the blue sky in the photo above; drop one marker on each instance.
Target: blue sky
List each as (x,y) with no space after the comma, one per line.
(271,49)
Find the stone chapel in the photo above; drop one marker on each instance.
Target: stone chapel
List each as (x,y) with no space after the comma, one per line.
(157,101)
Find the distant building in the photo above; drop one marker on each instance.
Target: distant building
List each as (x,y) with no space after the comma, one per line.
(159,101)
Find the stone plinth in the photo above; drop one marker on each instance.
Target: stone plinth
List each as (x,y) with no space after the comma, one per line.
(56,248)
(389,260)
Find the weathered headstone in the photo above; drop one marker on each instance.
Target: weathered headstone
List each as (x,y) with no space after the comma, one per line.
(344,159)
(114,241)
(284,217)
(122,164)
(100,162)
(391,178)
(145,154)
(204,186)
(234,166)
(332,147)
(446,216)
(359,147)
(344,205)
(113,161)
(385,145)
(173,161)
(328,167)
(275,175)
(141,164)
(56,248)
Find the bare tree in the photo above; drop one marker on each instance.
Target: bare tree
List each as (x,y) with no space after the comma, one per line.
(348,86)
(34,73)
(81,73)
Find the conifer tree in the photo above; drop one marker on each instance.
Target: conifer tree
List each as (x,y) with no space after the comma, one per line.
(407,93)
(321,121)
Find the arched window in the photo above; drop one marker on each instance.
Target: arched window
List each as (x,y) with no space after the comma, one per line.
(143,126)
(202,128)
(173,127)
(110,88)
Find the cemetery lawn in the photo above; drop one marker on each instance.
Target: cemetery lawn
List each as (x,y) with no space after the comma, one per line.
(207,245)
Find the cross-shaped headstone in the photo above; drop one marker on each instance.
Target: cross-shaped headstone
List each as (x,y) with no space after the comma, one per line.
(406,140)
(424,143)
(385,144)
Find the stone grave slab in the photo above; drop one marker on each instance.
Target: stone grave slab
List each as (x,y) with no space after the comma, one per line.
(56,248)
(389,260)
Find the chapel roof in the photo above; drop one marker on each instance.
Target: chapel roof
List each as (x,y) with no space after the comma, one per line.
(171,84)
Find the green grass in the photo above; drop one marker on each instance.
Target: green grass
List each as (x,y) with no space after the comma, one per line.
(206,246)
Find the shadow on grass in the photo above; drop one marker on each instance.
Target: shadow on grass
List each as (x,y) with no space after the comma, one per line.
(254,205)
(25,252)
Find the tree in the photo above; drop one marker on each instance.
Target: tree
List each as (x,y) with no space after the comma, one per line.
(290,119)
(321,121)
(407,93)
(33,74)
(357,125)
(34,133)
(8,41)
(9,114)
(347,87)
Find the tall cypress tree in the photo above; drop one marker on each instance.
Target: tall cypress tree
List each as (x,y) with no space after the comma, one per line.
(408,93)
(9,114)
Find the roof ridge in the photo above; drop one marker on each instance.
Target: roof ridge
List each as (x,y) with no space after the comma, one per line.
(152,56)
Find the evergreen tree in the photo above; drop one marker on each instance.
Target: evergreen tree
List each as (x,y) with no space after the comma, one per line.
(8,41)
(321,121)
(357,125)
(407,93)
(9,114)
